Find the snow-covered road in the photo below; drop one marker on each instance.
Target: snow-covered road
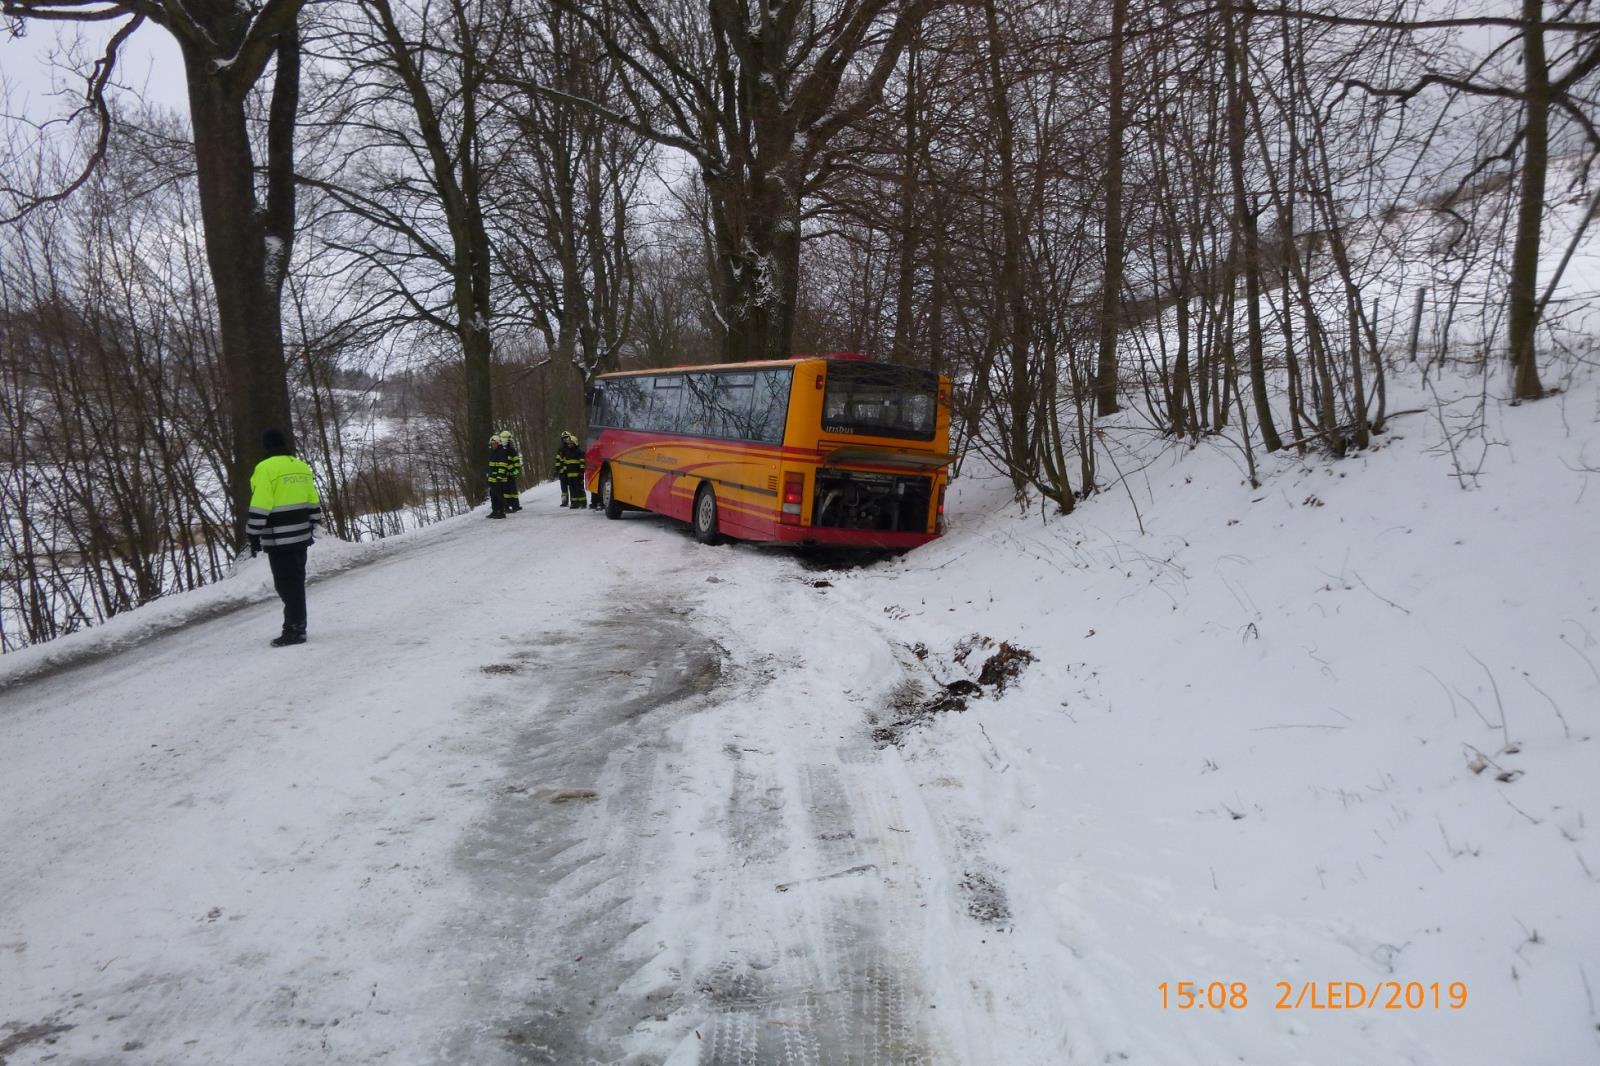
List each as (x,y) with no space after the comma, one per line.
(562,790)
(509,805)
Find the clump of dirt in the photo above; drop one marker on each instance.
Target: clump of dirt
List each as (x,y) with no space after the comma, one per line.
(986,900)
(18,1036)
(1000,667)
(906,696)
(955,694)
(967,645)
(913,707)
(574,795)
(500,668)
(886,735)
(910,704)
(1004,666)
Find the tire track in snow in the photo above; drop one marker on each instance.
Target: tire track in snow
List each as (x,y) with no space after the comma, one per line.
(821,971)
(561,888)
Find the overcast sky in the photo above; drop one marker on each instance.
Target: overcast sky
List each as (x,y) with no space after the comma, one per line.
(34,67)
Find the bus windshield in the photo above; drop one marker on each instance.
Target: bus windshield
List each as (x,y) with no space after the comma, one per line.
(879,400)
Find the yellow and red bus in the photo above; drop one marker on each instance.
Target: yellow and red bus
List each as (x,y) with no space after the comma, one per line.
(832,450)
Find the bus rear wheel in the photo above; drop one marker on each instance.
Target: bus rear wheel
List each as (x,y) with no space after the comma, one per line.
(608,495)
(705,516)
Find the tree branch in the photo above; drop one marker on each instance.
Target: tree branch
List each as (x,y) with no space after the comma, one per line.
(99,80)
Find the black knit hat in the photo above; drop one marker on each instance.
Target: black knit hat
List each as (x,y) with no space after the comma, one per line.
(274,442)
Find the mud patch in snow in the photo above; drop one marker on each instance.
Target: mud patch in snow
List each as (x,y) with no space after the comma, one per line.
(18,1036)
(1004,666)
(985,898)
(837,560)
(911,704)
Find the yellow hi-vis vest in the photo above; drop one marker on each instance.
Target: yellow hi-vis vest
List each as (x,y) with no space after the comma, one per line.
(283,502)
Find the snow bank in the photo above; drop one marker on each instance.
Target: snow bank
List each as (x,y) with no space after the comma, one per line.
(1340,728)
(249,581)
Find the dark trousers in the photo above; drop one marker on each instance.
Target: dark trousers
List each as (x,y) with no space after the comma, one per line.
(497,497)
(289,579)
(572,487)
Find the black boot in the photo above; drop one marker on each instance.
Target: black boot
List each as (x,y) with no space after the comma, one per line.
(290,635)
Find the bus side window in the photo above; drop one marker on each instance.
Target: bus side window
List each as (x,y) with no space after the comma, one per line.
(771,405)
(731,405)
(666,397)
(696,417)
(625,402)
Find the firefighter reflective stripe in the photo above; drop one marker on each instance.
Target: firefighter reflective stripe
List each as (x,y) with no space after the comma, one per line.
(504,465)
(515,463)
(569,465)
(284,505)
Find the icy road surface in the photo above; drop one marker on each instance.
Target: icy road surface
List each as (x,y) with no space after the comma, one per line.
(537,791)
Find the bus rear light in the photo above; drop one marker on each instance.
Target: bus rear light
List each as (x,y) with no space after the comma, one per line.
(939,527)
(794,488)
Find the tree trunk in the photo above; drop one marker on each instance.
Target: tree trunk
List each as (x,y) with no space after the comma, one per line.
(756,228)
(1524,280)
(1014,314)
(905,283)
(1246,237)
(247,248)
(1105,387)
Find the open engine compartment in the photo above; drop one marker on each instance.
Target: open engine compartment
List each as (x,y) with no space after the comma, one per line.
(854,499)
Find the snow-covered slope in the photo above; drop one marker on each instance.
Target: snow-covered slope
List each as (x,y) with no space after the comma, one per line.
(564,790)
(1342,728)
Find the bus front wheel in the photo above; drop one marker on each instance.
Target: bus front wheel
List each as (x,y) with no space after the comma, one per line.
(705,516)
(608,495)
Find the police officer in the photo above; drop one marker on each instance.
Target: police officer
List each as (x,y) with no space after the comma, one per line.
(569,468)
(284,512)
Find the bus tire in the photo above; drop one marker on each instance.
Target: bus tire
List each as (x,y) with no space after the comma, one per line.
(705,516)
(608,495)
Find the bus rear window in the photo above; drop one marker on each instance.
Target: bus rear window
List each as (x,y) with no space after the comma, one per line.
(883,401)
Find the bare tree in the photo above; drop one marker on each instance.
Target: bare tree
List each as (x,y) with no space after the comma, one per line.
(402,116)
(755,94)
(113,453)
(247,212)
(566,197)
(1547,86)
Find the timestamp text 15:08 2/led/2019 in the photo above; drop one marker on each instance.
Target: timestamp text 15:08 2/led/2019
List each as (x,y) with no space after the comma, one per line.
(1317,995)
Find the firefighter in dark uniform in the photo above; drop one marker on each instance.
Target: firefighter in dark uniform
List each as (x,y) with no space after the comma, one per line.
(569,468)
(284,512)
(510,493)
(499,476)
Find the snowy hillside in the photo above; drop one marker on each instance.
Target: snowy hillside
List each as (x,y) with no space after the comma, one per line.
(566,790)
(1337,729)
